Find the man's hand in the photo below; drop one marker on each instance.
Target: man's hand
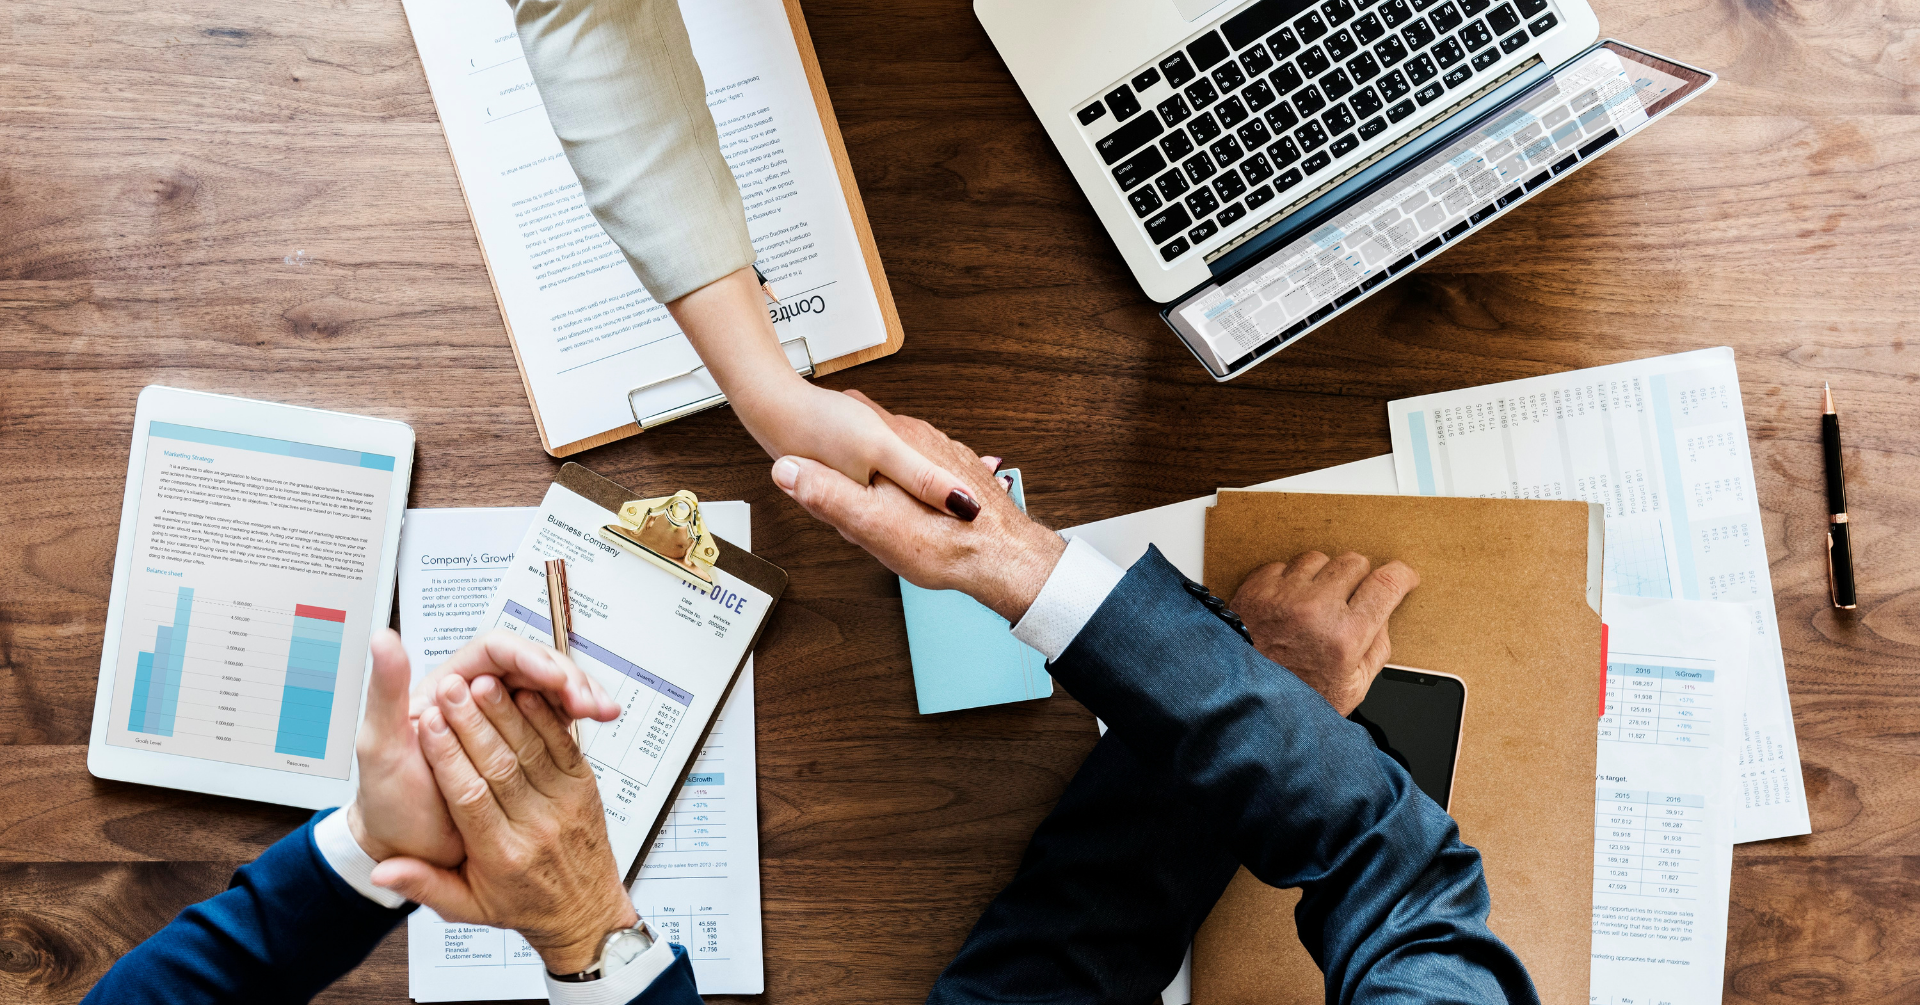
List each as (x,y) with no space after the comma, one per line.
(398,810)
(527,806)
(522,665)
(1325,620)
(1001,558)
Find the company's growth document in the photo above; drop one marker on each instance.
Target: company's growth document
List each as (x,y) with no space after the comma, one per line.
(451,564)
(255,567)
(699,885)
(1663,443)
(584,329)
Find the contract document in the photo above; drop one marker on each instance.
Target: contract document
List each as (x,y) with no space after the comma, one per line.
(584,330)
(1662,442)
(1665,798)
(699,885)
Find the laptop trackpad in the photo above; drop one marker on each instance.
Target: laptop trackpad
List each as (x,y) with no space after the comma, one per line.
(1193,10)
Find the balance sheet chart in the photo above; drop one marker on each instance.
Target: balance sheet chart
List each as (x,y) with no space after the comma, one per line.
(156,679)
(313,665)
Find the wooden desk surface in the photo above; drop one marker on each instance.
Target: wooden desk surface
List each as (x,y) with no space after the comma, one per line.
(256,198)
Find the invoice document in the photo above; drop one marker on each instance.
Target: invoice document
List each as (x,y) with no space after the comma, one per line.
(1664,798)
(1662,442)
(700,883)
(584,329)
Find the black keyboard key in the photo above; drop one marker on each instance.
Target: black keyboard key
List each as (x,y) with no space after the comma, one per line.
(1201,201)
(1503,19)
(1445,17)
(1486,59)
(1257,20)
(1472,7)
(1281,117)
(1341,45)
(1174,110)
(1395,13)
(1538,180)
(1513,43)
(1311,136)
(1368,28)
(1366,102)
(1458,75)
(1169,223)
(1146,78)
(1372,127)
(1482,213)
(1420,69)
(1284,152)
(1230,112)
(1309,100)
(1346,298)
(1426,94)
(1593,146)
(1456,230)
(1313,62)
(1475,35)
(1419,34)
(1374,280)
(1258,95)
(1448,52)
(1092,112)
(1199,168)
(1337,11)
(1257,168)
(1390,50)
(1226,150)
(1144,201)
(1128,138)
(1229,185)
(1283,43)
(1393,86)
(1230,215)
(1310,27)
(1316,162)
(1344,145)
(1320,315)
(1259,197)
(1339,119)
(1136,170)
(1256,60)
(1531,8)
(1204,129)
(1284,79)
(1363,67)
(1564,163)
(1201,93)
(1176,249)
(1543,25)
(1403,264)
(1336,83)
(1177,69)
(1400,111)
(1287,179)
(1207,50)
(1125,106)
(1229,77)
(1510,198)
(1206,229)
(1254,135)
(1176,145)
(1171,184)
(1430,247)
(1422,4)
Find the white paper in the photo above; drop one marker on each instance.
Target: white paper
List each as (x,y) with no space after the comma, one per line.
(1663,443)
(585,329)
(700,883)
(1665,799)
(451,561)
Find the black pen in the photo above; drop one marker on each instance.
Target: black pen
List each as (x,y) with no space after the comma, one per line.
(1839,545)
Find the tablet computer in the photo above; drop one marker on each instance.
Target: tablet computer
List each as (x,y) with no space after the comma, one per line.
(256,559)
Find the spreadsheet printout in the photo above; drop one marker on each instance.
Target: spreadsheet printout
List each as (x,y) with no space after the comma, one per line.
(699,885)
(1665,799)
(1662,442)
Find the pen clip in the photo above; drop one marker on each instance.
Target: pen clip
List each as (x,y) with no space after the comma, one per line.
(1833,587)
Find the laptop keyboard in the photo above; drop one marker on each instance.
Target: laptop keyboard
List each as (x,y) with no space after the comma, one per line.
(1284,92)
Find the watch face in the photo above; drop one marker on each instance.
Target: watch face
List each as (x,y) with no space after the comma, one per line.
(623,946)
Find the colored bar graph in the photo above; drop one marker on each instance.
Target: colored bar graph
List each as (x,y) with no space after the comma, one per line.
(313,665)
(156,681)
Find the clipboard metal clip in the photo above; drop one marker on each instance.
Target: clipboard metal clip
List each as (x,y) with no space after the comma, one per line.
(679,395)
(670,533)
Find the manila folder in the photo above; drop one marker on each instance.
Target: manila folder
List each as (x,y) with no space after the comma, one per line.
(1502,603)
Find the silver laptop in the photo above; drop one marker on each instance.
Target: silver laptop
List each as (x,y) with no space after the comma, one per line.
(1264,165)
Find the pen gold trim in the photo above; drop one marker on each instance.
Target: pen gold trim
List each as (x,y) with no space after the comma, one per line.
(560,617)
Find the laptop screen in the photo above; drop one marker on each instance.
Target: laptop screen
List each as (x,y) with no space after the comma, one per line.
(1585,106)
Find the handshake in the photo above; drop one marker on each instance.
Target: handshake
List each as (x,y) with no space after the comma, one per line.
(476,801)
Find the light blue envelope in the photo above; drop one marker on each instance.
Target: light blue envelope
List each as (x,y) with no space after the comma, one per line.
(964,655)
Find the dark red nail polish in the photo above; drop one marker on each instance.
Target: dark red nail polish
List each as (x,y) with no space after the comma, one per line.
(962,505)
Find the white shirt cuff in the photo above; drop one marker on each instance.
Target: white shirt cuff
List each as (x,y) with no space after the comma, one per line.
(1077,587)
(349,861)
(623,986)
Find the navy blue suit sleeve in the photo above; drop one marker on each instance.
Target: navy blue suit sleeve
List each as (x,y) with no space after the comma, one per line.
(1394,905)
(285,928)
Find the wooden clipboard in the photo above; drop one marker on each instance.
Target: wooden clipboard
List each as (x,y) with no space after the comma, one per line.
(735,561)
(1502,603)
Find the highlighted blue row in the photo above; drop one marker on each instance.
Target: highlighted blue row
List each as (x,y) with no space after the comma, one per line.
(612,659)
(269,445)
(1642,671)
(156,675)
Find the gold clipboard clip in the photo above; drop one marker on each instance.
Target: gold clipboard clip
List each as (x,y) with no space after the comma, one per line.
(670,533)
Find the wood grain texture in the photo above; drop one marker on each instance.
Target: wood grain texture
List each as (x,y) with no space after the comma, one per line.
(256,198)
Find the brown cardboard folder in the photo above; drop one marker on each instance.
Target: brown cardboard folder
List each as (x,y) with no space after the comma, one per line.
(1503,603)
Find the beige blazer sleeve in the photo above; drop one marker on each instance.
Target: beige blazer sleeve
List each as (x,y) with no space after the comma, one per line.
(629,104)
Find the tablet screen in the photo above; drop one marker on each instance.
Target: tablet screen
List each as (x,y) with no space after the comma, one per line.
(255,569)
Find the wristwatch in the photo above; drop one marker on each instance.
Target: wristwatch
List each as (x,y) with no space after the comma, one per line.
(617,950)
